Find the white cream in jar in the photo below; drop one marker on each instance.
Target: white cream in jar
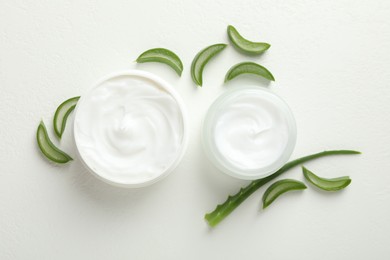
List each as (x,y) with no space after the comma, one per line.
(249,133)
(130,130)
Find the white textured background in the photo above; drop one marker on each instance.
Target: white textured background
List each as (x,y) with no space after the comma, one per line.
(331,61)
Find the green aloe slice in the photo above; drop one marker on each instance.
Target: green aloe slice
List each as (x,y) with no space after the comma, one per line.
(62,113)
(201,60)
(280,187)
(333,184)
(164,56)
(244,45)
(248,68)
(48,148)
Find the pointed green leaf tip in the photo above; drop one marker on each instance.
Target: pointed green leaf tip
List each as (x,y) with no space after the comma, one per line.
(163,56)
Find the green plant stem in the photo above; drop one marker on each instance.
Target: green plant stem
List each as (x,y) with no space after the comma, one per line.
(223,210)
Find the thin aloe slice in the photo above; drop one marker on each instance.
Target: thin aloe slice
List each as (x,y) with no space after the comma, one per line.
(248,68)
(245,45)
(280,187)
(201,60)
(62,113)
(164,56)
(48,148)
(333,184)
(233,201)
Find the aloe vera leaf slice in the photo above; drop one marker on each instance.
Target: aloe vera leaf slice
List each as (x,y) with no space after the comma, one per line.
(61,115)
(163,56)
(48,149)
(248,68)
(333,184)
(244,45)
(280,187)
(201,59)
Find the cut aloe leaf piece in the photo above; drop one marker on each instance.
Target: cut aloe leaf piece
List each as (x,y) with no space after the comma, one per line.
(244,45)
(201,59)
(280,187)
(333,184)
(50,151)
(163,56)
(62,113)
(248,68)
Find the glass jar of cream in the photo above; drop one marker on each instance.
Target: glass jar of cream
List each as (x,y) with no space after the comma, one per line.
(249,133)
(131,129)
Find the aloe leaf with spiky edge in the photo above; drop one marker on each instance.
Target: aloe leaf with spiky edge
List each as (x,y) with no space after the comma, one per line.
(223,210)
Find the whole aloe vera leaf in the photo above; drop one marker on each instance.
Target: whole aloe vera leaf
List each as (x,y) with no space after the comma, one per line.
(223,210)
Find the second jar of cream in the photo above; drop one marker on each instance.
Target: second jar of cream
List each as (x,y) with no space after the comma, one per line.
(249,133)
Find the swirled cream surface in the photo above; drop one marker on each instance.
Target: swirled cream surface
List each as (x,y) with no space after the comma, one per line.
(249,132)
(129,129)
